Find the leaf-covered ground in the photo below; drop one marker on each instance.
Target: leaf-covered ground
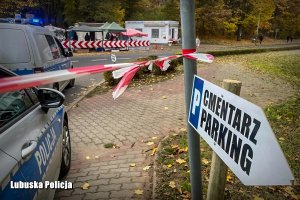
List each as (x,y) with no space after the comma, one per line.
(173,177)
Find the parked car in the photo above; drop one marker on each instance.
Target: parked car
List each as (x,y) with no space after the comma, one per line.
(27,49)
(35,144)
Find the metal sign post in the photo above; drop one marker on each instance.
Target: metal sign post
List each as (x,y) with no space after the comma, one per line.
(187,10)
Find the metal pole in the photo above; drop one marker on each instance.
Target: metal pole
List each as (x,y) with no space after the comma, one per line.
(187,12)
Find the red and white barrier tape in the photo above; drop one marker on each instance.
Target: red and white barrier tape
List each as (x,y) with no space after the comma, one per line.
(105,44)
(126,71)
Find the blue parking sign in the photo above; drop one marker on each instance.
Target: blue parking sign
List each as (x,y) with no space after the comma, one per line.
(196,102)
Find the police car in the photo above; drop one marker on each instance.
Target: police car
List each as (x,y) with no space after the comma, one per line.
(27,49)
(35,148)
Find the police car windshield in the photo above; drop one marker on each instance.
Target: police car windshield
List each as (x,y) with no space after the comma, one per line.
(13,46)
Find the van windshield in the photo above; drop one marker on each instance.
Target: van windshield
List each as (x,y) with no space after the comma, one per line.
(13,46)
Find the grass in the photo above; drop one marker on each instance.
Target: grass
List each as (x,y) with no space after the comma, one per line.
(285,121)
(250,51)
(284,64)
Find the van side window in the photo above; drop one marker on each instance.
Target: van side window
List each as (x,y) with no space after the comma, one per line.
(48,48)
(13,104)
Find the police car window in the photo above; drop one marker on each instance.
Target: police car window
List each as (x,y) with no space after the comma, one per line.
(53,46)
(12,104)
(14,46)
(60,47)
(31,92)
(47,47)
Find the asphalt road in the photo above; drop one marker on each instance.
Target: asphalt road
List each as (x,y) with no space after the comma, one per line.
(83,84)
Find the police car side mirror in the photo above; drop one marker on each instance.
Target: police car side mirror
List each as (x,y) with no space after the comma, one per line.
(50,98)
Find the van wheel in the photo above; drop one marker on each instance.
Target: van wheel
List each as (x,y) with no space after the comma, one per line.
(71,83)
(66,151)
(56,86)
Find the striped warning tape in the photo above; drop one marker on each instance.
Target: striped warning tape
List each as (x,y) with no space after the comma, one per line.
(126,71)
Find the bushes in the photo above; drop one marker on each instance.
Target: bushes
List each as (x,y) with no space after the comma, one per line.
(109,79)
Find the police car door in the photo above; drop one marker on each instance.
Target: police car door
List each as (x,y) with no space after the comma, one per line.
(65,62)
(30,137)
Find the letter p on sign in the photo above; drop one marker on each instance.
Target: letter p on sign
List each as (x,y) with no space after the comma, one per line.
(195,104)
(196,101)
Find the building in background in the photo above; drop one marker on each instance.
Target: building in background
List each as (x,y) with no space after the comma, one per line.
(159,32)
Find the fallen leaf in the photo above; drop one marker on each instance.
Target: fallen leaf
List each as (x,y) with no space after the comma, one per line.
(281,139)
(132,165)
(166,108)
(257,198)
(153,151)
(205,161)
(172,184)
(229,178)
(183,150)
(85,186)
(138,192)
(182,129)
(174,146)
(153,138)
(150,143)
(164,97)
(96,156)
(180,190)
(180,161)
(87,157)
(146,168)
(169,165)
(175,170)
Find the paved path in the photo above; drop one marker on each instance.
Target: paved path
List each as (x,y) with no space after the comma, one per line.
(129,122)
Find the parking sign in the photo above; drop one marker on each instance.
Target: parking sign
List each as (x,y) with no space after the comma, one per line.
(239,133)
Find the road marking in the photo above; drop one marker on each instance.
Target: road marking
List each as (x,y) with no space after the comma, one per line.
(124,58)
(99,59)
(74,61)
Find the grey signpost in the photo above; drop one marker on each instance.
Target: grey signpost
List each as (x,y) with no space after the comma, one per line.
(187,13)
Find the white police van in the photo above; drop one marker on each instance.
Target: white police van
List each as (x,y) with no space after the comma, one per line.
(27,49)
(35,148)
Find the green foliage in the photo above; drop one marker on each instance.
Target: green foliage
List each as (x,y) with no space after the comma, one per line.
(8,8)
(229,28)
(93,11)
(152,57)
(109,78)
(213,18)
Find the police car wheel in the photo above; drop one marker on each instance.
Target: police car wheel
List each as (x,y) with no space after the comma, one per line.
(71,83)
(66,151)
